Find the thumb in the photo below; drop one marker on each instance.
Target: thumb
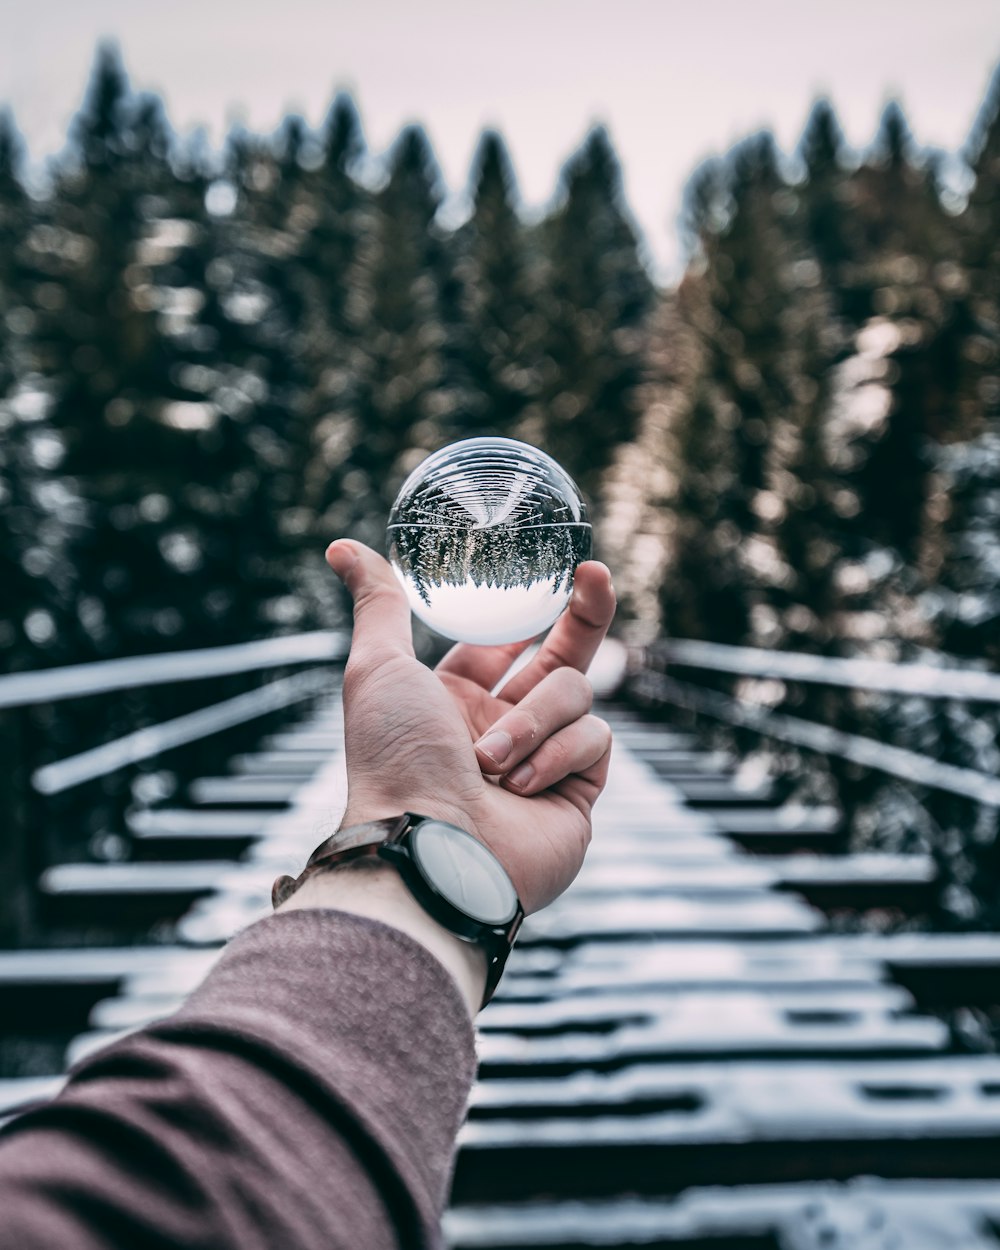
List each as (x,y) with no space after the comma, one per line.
(381,613)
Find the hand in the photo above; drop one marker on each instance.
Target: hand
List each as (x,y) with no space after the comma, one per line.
(520,769)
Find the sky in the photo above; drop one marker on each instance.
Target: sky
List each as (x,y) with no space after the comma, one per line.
(674,82)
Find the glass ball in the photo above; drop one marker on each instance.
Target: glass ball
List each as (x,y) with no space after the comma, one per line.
(485,536)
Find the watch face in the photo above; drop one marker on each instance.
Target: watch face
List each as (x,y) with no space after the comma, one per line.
(464,872)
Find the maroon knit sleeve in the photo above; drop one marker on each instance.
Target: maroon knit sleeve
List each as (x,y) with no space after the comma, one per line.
(308,1094)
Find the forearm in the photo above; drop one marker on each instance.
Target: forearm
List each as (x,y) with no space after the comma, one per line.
(308,1094)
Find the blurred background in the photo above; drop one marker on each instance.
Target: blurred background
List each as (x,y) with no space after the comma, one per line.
(229,330)
(736,267)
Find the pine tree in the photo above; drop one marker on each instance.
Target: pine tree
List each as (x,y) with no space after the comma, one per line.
(37,518)
(983,211)
(894,143)
(403,387)
(980,241)
(101,350)
(826,206)
(970,569)
(703,593)
(340,209)
(331,260)
(907,349)
(747,299)
(266,242)
(159,396)
(236,396)
(36,513)
(503,326)
(595,304)
(725,438)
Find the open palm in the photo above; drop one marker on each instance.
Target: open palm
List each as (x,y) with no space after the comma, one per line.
(520,768)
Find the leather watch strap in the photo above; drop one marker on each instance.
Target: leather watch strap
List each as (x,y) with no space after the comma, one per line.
(376,840)
(344,846)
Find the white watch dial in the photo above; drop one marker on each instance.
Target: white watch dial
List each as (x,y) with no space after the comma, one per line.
(464,872)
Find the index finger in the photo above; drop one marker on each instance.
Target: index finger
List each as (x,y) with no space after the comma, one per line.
(574,638)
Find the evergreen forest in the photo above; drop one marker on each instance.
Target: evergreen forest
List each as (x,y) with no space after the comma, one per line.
(211,366)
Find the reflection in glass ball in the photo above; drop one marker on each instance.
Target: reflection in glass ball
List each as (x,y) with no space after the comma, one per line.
(485,536)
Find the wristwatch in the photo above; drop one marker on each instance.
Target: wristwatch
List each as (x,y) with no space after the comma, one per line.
(455,878)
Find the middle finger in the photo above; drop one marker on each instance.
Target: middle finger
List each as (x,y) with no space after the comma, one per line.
(574,638)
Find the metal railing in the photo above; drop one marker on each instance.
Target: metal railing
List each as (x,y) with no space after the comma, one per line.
(946,680)
(899,762)
(30,784)
(74,681)
(148,743)
(909,752)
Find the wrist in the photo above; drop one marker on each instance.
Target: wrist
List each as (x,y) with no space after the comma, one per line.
(361,809)
(376,891)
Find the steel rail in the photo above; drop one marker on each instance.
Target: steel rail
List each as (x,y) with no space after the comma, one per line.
(928,680)
(142,744)
(896,761)
(74,681)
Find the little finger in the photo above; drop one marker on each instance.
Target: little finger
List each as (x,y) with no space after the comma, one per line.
(573,750)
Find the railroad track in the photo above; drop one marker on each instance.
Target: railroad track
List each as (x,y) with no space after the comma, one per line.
(685,1051)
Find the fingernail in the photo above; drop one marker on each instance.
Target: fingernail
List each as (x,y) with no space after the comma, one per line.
(521,776)
(341,558)
(496,744)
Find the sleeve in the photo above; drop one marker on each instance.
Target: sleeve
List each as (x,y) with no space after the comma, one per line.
(307,1094)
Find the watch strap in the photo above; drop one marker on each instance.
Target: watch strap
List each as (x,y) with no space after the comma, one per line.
(344,846)
(496,941)
(377,839)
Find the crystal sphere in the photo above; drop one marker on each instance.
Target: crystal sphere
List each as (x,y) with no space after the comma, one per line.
(485,536)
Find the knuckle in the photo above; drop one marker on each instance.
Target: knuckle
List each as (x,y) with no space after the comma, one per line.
(553,659)
(371,595)
(560,754)
(354,675)
(357,669)
(574,680)
(572,688)
(549,662)
(523,725)
(553,758)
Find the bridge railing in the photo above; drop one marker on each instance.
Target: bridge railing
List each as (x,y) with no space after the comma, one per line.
(79,740)
(910,751)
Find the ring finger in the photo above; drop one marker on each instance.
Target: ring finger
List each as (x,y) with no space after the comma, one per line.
(558,700)
(572,750)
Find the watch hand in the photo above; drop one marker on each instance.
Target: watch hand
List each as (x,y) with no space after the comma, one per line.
(459,873)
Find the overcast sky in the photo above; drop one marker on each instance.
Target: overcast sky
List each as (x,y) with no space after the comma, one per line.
(674,82)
